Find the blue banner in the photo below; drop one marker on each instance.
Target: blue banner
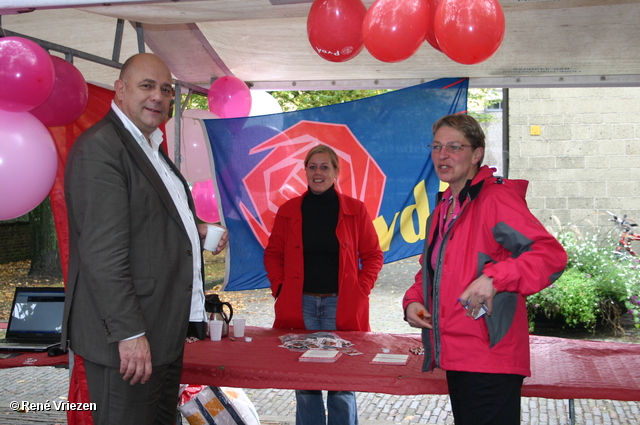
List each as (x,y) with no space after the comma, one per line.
(381,142)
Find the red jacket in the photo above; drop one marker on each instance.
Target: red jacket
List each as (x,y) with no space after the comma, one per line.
(283,260)
(495,234)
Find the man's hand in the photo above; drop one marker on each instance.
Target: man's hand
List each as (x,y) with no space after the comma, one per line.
(480,291)
(135,360)
(418,316)
(202,231)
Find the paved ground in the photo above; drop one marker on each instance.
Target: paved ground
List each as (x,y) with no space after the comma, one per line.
(39,384)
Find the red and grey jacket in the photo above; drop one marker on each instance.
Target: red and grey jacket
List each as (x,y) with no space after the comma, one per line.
(495,234)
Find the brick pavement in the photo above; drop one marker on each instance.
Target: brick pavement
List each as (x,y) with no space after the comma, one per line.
(277,407)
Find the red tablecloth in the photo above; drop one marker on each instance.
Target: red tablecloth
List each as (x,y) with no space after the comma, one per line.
(262,364)
(34,359)
(561,368)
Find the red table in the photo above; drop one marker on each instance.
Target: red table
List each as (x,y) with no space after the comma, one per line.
(562,368)
(262,364)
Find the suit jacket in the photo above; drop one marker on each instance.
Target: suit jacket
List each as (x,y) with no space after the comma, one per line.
(130,257)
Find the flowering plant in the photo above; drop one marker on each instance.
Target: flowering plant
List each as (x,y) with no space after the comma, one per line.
(596,285)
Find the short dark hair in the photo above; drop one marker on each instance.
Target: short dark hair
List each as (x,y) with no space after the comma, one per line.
(468,126)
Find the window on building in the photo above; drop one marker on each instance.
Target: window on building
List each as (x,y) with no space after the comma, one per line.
(493,107)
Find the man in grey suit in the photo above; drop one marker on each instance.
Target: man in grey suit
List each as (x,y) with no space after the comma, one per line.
(135,276)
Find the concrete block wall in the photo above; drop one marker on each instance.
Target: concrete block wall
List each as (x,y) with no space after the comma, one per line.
(586,159)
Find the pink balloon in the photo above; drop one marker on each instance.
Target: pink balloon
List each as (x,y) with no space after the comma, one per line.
(469,31)
(204,197)
(334,28)
(229,97)
(28,163)
(26,74)
(194,164)
(393,30)
(68,99)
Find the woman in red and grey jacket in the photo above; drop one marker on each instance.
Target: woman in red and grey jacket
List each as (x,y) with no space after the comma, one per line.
(484,253)
(322,260)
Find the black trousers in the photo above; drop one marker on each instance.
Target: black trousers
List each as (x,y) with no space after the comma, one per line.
(120,403)
(485,398)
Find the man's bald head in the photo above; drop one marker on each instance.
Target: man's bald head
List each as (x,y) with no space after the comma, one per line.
(144,91)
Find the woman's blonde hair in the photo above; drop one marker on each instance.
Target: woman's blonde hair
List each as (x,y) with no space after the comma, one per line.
(323,149)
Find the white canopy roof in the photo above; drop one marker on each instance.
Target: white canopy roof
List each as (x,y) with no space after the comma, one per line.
(547,43)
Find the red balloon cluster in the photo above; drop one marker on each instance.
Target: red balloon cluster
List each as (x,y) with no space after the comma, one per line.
(467,31)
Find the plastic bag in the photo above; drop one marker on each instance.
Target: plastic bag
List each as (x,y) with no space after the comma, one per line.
(206,405)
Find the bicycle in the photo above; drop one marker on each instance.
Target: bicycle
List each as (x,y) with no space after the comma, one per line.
(627,235)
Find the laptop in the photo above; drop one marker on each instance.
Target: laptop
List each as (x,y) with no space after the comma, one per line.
(35,323)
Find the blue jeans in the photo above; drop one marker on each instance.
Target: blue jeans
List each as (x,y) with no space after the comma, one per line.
(319,314)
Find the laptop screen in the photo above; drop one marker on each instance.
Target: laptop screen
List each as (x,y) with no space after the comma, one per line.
(37,311)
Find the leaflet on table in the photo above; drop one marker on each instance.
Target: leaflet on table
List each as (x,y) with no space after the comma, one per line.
(390,359)
(321,356)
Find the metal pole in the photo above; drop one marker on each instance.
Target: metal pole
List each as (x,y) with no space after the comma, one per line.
(505,132)
(117,43)
(140,34)
(572,412)
(177,159)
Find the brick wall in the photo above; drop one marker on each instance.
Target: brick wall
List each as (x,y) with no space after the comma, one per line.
(14,242)
(586,159)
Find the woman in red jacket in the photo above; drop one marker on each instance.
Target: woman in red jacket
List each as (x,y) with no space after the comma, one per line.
(322,260)
(484,254)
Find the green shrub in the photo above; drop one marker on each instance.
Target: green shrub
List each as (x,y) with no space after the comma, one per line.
(596,285)
(573,298)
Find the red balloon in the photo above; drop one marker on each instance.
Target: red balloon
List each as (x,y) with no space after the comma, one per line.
(229,97)
(68,99)
(26,74)
(334,28)
(393,30)
(469,31)
(431,35)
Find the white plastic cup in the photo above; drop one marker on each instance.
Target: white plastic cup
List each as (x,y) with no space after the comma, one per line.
(215,330)
(238,327)
(214,234)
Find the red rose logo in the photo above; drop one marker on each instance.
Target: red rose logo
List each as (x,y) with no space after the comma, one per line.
(280,176)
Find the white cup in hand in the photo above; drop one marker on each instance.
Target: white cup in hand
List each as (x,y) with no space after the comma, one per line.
(214,234)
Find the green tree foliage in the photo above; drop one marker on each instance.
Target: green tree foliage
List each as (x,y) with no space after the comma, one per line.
(479,100)
(299,100)
(195,101)
(296,100)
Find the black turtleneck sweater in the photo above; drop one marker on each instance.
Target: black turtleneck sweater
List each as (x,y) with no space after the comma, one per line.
(321,246)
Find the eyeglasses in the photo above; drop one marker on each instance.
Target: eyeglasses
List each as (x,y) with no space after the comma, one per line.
(451,147)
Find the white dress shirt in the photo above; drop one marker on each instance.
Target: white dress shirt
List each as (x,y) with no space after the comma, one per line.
(178,194)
